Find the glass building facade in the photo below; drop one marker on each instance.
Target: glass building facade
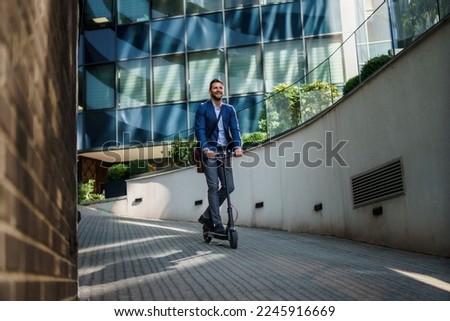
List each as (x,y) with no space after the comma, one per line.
(145,65)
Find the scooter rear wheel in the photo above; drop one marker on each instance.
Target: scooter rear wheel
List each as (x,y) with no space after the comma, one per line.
(233,239)
(206,238)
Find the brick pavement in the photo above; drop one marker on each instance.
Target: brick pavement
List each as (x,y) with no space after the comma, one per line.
(125,258)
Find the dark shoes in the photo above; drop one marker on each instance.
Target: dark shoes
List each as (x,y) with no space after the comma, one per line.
(207,224)
(218,229)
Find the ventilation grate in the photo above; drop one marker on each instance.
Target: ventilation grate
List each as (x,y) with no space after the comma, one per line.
(378,184)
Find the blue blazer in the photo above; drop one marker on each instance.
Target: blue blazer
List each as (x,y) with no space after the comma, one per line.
(205,119)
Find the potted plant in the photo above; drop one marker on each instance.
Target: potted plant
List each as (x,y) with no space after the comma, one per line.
(116,185)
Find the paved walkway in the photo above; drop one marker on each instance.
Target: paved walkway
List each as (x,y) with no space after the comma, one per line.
(124,258)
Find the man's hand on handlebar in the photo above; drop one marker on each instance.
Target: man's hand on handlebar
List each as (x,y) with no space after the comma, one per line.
(238,152)
(209,153)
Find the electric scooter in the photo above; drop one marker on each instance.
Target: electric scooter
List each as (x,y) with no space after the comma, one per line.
(230,232)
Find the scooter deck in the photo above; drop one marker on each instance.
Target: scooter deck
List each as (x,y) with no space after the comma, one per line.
(217,235)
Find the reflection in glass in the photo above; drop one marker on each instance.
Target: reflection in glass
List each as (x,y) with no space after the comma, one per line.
(281,22)
(98,13)
(318,50)
(166,8)
(275,1)
(249,109)
(205,31)
(245,72)
(202,6)
(80,131)
(243,27)
(168,79)
(133,41)
(100,86)
(133,82)
(167,36)
(99,129)
(169,120)
(321,17)
(283,63)
(100,45)
(130,11)
(81,89)
(239,3)
(134,126)
(203,67)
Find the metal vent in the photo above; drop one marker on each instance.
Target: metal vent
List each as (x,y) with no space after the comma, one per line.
(378,184)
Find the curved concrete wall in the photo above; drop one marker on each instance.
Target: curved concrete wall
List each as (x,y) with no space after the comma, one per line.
(402,112)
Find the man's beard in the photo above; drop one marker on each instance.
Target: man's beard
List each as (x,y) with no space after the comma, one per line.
(217,96)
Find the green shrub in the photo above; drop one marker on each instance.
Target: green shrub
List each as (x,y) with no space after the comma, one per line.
(373,65)
(316,97)
(253,138)
(367,69)
(118,171)
(182,152)
(86,192)
(138,166)
(351,84)
(282,109)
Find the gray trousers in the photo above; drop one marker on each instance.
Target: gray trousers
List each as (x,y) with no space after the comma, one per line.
(217,192)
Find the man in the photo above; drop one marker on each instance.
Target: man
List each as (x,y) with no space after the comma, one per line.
(224,134)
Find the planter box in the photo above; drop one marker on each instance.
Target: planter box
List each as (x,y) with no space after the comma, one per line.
(115,188)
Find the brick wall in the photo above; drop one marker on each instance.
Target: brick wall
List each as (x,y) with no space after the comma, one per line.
(38,51)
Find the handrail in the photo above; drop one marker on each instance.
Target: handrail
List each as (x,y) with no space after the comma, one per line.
(399,34)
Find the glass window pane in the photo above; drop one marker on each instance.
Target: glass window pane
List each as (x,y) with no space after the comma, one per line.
(165,8)
(444,8)
(168,121)
(202,6)
(100,45)
(100,86)
(134,83)
(249,110)
(168,79)
(281,21)
(200,30)
(239,3)
(321,17)
(167,36)
(378,26)
(133,41)
(98,13)
(81,89)
(134,126)
(318,50)
(245,72)
(130,11)
(283,63)
(100,129)
(81,50)
(80,131)
(203,67)
(275,1)
(243,27)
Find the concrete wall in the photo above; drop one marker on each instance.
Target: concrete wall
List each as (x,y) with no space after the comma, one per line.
(38,53)
(401,112)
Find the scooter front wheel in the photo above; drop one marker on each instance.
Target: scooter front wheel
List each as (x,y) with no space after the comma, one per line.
(233,239)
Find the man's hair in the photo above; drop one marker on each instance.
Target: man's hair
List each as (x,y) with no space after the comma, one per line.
(214,81)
